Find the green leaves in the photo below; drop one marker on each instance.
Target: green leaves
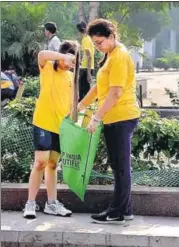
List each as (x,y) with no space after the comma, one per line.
(168,60)
(15,50)
(65,15)
(22,109)
(155,144)
(137,20)
(20,30)
(156,135)
(149,23)
(174,96)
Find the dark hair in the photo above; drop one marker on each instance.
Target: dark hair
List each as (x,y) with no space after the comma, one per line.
(67,46)
(81,27)
(101,27)
(51,27)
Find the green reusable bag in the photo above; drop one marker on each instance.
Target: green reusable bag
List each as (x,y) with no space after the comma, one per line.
(78,151)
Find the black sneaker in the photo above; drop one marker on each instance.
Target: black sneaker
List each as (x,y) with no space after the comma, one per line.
(108,216)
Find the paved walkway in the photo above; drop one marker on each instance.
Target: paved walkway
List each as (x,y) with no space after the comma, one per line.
(79,231)
(156,84)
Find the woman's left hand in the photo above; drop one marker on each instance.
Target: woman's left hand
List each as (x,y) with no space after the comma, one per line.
(93,124)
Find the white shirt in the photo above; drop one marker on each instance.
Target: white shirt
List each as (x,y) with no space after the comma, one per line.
(53,44)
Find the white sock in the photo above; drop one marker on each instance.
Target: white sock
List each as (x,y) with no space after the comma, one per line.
(31,201)
(51,202)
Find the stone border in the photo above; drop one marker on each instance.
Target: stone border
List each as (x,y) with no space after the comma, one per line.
(79,231)
(77,239)
(154,201)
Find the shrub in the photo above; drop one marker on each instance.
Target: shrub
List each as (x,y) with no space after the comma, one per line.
(32,86)
(175,62)
(147,64)
(16,150)
(22,109)
(155,141)
(15,167)
(168,60)
(154,144)
(161,63)
(174,96)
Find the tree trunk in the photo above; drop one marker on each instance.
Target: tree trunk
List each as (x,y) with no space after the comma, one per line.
(93,11)
(81,12)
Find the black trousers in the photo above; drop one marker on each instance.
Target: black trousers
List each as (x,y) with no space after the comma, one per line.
(84,85)
(118,141)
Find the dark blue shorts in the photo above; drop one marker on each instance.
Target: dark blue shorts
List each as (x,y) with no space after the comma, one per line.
(45,140)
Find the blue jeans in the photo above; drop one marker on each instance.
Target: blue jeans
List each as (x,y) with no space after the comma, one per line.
(118,141)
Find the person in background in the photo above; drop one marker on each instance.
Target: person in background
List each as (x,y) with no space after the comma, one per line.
(87,63)
(53,104)
(14,77)
(53,42)
(7,88)
(118,109)
(10,83)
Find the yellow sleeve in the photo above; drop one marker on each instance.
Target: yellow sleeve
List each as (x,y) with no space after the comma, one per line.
(87,45)
(48,66)
(45,72)
(118,71)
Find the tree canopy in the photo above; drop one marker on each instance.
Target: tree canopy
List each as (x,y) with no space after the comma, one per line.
(21,22)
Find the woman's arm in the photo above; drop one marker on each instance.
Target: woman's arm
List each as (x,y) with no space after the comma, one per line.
(110,101)
(88,99)
(44,55)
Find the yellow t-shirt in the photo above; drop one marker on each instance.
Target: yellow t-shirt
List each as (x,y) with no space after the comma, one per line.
(118,70)
(87,44)
(55,98)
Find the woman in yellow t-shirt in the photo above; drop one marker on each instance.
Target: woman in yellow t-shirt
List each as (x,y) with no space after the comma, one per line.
(119,111)
(52,106)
